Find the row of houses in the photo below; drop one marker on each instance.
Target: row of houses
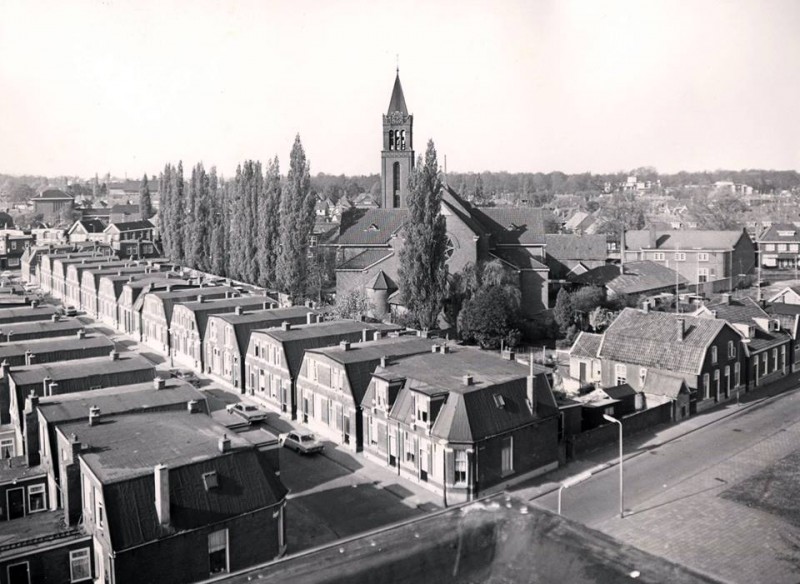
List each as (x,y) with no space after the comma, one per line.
(110,473)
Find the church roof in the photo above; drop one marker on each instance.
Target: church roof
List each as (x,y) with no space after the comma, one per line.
(398,101)
(513,225)
(371,226)
(382,282)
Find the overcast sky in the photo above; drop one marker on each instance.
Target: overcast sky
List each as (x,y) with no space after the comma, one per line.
(528,85)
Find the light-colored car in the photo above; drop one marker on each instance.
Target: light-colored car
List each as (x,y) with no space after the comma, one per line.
(302,442)
(70,311)
(250,413)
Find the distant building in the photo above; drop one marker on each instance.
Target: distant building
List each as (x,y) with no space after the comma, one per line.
(86,230)
(51,203)
(633,279)
(131,300)
(570,255)
(779,246)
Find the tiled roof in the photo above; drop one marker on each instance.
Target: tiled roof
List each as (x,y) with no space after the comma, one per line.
(576,247)
(639,277)
(744,311)
(660,383)
(90,225)
(8,316)
(580,220)
(365,259)
(586,345)
(125,209)
(370,226)
(783,308)
(382,282)
(518,258)
(772,235)
(651,340)
(685,239)
(512,226)
(53,194)
(135,398)
(131,225)
(173,297)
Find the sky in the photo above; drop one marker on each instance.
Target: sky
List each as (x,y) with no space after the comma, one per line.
(124,87)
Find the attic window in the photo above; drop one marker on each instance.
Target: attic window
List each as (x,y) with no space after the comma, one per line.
(786,233)
(372,227)
(499,401)
(210,480)
(512,227)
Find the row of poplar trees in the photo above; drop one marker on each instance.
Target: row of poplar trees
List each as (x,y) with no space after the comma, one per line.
(253,228)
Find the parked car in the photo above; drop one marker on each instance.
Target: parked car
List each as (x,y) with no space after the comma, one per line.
(185,375)
(250,413)
(301,442)
(70,311)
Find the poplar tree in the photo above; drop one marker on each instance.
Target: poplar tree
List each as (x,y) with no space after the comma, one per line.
(422,269)
(145,203)
(176,214)
(297,221)
(164,216)
(268,225)
(236,229)
(218,220)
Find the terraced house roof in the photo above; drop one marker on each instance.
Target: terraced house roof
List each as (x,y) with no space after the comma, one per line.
(684,239)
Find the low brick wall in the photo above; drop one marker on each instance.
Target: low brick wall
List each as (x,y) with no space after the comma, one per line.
(608,433)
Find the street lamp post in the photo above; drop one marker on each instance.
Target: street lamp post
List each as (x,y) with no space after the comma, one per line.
(571,482)
(621,490)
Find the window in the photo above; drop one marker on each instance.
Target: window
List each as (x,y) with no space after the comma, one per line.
(706,386)
(765,363)
(36,498)
(702,275)
(507,456)
(659,256)
(783,247)
(422,409)
(396,184)
(702,257)
(680,257)
(731,350)
(460,468)
(7,448)
(410,447)
(19,573)
(716,381)
(620,371)
(80,567)
(642,374)
(87,495)
(714,355)
(218,551)
(727,379)
(98,511)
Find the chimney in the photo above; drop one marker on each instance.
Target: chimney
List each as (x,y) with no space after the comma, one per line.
(645,306)
(434,348)
(46,385)
(201,298)
(310,318)
(344,345)
(653,239)
(4,367)
(32,401)
(364,335)
(238,310)
(52,388)
(531,388)
(161,475)
(34,303)
(468,379)
(94,415)
(286,326)
(509,355)
(384,361)
(29,357)
(726,298)
(224,443)
(424,333)
(681,329)
(376,336)
(114,356)
(444,349)
(193,406)
(159,383)
(54,318)
(169,287)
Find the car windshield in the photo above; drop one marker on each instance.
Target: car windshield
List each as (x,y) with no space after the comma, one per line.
(307,438)
(250,408)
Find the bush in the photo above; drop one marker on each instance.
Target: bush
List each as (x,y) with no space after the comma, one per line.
(488,318)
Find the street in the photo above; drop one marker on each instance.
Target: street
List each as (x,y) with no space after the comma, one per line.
(678,500)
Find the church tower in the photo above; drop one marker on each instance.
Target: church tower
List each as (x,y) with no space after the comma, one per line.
(397,157)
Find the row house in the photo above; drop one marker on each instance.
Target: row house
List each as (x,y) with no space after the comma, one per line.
(769,350)
(74,278)
(713,261)
(68,377)
(788,318)
(44,415)
(228,336)
(705,352)
(32,313)
(90,284)
(60,267)
(68,348)
(87,229)
(187,507)
(461,422)
(157,309)
(23,490)
(130,303)
(332,382)
(110,290)
(43,329)
(779,246)
(46,262)
(190,320)
(274,356)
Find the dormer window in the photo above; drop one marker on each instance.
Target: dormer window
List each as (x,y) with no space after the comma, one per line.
(786,233)
(372,227)
(512,227)
(210,480)
(499,401)
(422,409)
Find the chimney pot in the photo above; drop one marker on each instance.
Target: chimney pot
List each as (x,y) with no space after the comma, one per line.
(224,443)
(344,345)
(159,383)
(468,380)
(114,356)
(286,326)
(238,310)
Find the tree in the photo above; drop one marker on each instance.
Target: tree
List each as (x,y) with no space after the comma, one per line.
(268,221)
(422,268)
(478,192)
(145,203)
(488,319)
(600,318)
(564,312)
(297,221)
(353,304)
(588,298)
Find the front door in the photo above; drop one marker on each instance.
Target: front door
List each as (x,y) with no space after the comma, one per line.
(347,429)
(15,503)
(582,371)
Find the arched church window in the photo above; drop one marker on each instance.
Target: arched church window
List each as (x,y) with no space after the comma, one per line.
(449,249)
(402,139)
(391,139)
(396,184)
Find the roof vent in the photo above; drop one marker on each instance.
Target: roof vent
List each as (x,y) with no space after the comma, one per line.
(286,326)
(193,406)
(224,443)
(344,345)
(200,298)
(81,334)
(468,379)
(238,310)
(114,356)
(159,383)
(210,480)
(94,415)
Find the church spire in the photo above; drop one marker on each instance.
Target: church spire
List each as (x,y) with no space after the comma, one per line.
(398,101)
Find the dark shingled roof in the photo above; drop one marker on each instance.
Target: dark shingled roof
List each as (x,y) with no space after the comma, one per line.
(640,277)
(744,311)
(8,316)
(370,226)
(202,310)
(513,225)
(53,345)
(772,234)
(123,450)
(173,297)
(382,282)
(91,225)
(365,259)
(132,225)
(661,383)
(398,101)
(96,367)
(67,327)
(53,194)
(619,391)
(246,323)
(586,345)
(651,340)
(684,239)
(518,258)
(576,247)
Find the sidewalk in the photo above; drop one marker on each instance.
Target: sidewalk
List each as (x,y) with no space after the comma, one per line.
(607,456)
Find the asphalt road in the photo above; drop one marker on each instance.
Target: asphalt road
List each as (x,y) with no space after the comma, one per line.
(669,466)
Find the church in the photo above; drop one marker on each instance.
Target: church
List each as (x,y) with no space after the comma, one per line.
(369,241)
